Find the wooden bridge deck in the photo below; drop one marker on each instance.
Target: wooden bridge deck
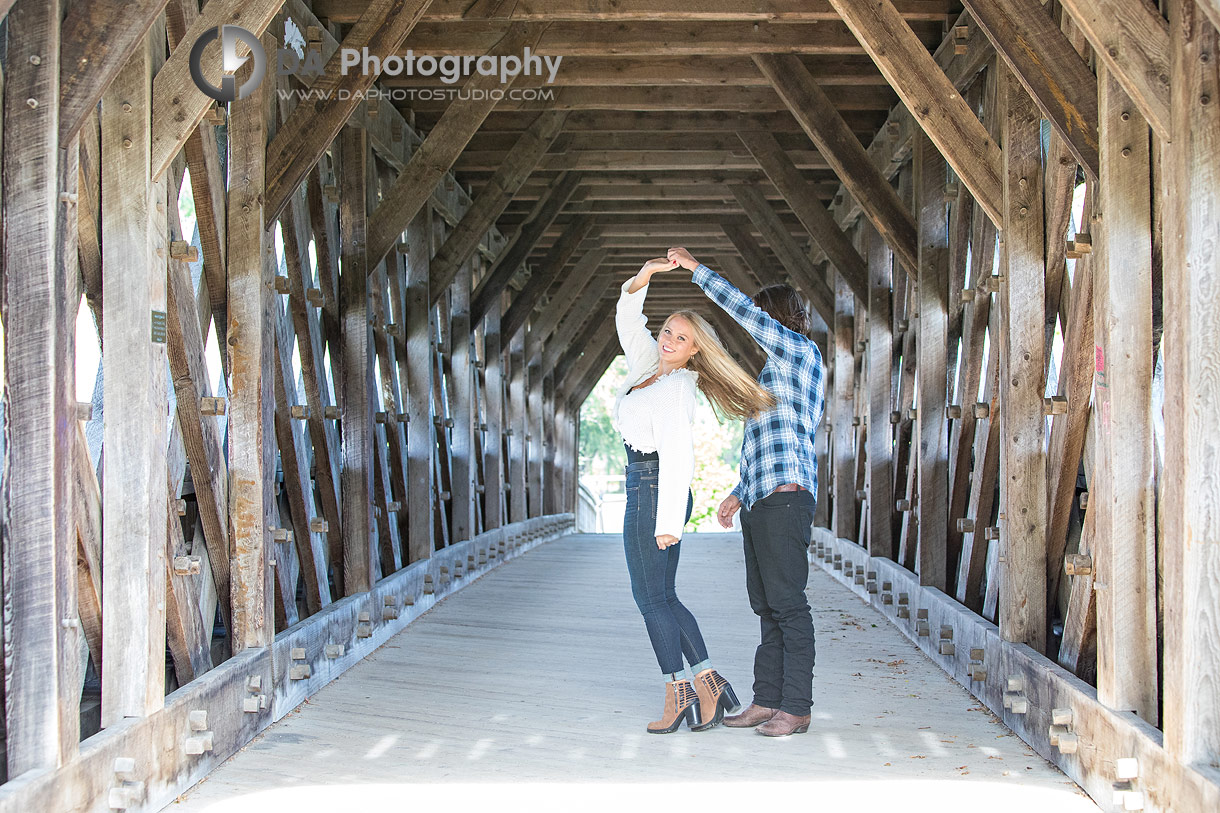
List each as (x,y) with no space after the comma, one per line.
(540,672)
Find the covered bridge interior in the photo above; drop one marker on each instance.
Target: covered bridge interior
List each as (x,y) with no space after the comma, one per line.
(337,333)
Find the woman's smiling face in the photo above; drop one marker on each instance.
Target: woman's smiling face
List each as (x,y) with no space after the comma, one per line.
(675,342)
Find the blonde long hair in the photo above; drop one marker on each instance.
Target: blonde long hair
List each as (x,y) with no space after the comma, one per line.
(732,391)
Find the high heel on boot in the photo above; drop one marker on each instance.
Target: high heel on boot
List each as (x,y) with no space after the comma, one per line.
(716,697)
(681,704)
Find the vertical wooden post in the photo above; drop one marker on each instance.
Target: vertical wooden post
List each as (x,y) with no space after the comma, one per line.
(880,403)
(550,454)
(419,389)
(356,479)
(841,412)
(462,378)
(1022,571)
(931,428)
(251,364)
(493,398)
(1192,392)
(534,438)
(42,685)
(516,429)
(1122,497)
(135,498)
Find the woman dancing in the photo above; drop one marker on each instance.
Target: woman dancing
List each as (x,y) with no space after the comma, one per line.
(655,412)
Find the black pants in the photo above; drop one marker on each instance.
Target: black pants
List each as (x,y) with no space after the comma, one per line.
(776,531)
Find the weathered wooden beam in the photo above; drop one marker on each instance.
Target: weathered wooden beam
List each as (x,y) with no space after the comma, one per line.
(250,346)
(589,305)
(494,514)
(309,130)
(642,122)
(647,39)
(42,677)
(516,429)
(668,158)
(1069,431)
(494,197)
(544,274)
(1132,40)
(1124,496)
(790,254)
(662,98)
(98,39)
(1078,647)
(981,505)
(189,639)
(1054,75)
(814,216)
(788,11)
(843,151)
(1191,552)
(574,282)
(585,374)
(356,479)
(931,98)
(135,503)
(419,389)
(461,383)
(840,412)
(733,268)
(441,148)
(706,70)
(88,532)
(976,314)
(522,244)
(207,178)
(879,364)
(1022,572)
(178,103)
(930,439)
(201,435)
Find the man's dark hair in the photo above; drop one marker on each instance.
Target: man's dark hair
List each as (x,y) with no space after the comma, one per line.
(785,306)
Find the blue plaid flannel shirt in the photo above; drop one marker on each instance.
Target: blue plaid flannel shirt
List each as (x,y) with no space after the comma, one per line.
(777,446)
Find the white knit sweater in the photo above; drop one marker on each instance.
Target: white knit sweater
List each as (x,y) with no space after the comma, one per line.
(659,417)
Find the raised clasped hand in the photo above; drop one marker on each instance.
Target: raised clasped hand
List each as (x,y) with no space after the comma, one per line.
(682,257)
(656,265)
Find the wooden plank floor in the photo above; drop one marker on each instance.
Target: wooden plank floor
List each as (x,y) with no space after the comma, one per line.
(541,672)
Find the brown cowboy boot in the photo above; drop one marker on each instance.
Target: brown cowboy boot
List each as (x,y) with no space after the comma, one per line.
(715,697)
(752,716)
(783,724)
(681,703)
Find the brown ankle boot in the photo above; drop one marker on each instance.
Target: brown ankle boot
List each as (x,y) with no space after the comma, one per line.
(681,703)
(752,716)
(715,697)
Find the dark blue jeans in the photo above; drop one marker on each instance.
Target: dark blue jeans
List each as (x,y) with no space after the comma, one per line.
(671,627)
(776,534)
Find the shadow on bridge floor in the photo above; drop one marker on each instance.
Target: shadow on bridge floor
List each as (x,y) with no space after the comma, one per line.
(540,672)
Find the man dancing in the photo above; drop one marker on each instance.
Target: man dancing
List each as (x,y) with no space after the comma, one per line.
(779,475)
